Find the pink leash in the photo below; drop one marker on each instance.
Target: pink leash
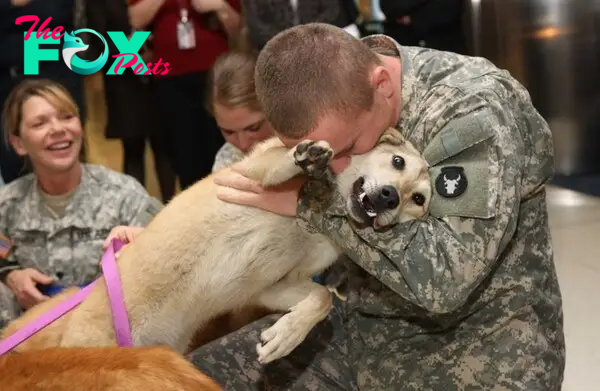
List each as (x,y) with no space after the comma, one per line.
(115,296)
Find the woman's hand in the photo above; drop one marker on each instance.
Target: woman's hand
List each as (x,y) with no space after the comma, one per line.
(235,188)
(124,233)
(204,6)
(23,284)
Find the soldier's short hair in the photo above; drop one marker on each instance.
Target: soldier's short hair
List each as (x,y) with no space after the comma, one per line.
(311,70)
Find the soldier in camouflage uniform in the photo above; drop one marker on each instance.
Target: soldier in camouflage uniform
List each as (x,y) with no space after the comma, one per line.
(60,236)
(466,299)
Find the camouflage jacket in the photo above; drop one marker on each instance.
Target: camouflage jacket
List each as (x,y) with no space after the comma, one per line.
(70,248)
(478,258)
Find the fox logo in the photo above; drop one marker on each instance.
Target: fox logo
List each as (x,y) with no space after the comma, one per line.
(73,45)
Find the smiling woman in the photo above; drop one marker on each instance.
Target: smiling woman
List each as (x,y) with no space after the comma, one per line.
(54,221)
(42,124)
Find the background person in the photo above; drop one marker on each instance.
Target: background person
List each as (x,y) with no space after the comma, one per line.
(12,60)
(435,24)
(131,112)
(266,18)
(54,221)
(211,24)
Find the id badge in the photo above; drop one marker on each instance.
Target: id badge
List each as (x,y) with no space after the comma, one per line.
(186,39)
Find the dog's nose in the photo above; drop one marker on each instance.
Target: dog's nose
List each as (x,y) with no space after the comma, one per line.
(387,198)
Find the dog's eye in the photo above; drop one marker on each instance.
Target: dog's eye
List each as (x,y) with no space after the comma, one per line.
(398,162)
(418,199)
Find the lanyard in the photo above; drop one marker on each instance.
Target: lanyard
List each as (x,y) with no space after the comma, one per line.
(183,10)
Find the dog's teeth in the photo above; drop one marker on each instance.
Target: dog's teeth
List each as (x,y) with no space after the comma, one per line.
(371,213)
(362,196)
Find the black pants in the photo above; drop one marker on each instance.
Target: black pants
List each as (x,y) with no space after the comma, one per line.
(133,161)
(196,137)
(12,166)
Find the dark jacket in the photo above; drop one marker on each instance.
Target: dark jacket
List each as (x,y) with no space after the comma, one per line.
(103,16)
(12,35)
(436,24)
(266,18)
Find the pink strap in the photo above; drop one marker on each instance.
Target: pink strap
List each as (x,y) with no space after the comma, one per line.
(117,303)
(115,294)
(23,334)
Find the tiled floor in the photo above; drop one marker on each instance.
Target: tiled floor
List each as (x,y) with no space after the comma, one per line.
(575,223)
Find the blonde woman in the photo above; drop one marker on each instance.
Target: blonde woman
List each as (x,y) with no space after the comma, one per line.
(231,99)
(54,221)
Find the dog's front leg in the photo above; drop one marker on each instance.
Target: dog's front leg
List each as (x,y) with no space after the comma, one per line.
(276,165)
(307,304)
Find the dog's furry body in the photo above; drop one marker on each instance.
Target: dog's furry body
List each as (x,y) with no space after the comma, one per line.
(201,257)
(155,368)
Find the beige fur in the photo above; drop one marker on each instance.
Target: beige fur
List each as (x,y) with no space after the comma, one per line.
(201,257)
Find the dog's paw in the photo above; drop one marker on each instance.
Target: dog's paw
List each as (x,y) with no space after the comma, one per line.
(284,336)
(313,157)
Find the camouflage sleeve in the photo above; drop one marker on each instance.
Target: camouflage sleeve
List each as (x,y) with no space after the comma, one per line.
(138,207)
(227,155)
(8,261)
(437,262)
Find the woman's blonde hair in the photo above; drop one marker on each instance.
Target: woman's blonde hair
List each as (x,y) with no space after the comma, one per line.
(51,91)
(57,95)
(231,81)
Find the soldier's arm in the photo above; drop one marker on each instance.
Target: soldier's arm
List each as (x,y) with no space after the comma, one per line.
(8,261)
(138,207)
(437,262)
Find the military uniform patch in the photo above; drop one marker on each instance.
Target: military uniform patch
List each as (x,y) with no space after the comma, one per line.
(5,246)
(451,182)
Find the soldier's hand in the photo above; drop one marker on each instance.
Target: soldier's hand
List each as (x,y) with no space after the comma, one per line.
(23,284)
(124,233)
(235,188)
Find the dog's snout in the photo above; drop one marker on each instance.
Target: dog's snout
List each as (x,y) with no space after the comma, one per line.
(387,198)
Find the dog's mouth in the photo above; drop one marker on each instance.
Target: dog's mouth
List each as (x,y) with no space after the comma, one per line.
(361,205)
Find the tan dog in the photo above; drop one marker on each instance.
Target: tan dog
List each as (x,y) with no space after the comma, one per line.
(201,257)
(102,369)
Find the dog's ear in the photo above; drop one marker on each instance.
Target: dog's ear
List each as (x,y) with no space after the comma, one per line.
(392,136)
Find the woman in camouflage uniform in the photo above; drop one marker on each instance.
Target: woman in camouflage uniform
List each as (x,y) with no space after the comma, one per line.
(54,221)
